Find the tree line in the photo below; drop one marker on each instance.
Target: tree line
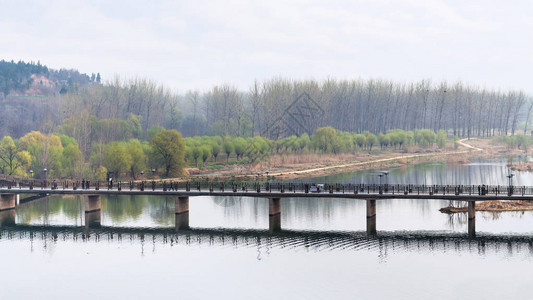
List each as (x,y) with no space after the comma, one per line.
(368,105)
(348,105)
(57,155)
(168,153)
(17,76)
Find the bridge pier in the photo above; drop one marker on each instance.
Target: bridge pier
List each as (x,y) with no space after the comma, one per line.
(7,201)
(92,203)
(182,212)
(93,219)
(93,211)
(7,217)
(472,219)
(371,217)
(274,214)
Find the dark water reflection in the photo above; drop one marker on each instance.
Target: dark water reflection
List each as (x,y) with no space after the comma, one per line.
(263,240)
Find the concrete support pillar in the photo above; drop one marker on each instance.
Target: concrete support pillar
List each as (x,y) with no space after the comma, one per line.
(7,217)
(182,212)
(274,223)
(472,219)
(371,217)
(93,219)
(274,214)
(7,201)
(274,206)
(93,203)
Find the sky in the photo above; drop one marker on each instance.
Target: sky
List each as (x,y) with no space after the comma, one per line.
(195,45)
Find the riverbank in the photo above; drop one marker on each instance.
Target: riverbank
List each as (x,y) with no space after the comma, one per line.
(494,206)
(313,165)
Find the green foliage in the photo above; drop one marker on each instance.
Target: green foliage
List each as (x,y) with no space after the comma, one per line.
(117,158)
(150,133)
(45,150)
(371,140)
(134,123)
(215,149)
(169,150)
(359,140)
(138,156)
(60,154)
(441,138)
(228,149)
(397,137)
(196,154)
(100,173)
(325,139)
(67,140)
(258,148)
(239,145)
(409,138)
(517,141)
(71,161)
(384,140)
(12,160)
(425,137)
(206,153)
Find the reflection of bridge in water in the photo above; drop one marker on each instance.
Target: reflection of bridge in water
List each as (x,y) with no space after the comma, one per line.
(275,192)
(286,239)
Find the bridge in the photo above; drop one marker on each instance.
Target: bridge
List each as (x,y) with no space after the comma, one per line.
(10,192)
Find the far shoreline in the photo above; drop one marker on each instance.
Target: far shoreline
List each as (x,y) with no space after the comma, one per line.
(467,149)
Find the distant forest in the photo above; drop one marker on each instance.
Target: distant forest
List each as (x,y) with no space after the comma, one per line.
(30,95)
(348,105)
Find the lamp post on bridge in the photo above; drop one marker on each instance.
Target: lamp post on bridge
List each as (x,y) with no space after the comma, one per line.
(386,173)
(510,188)
(31,182)
(45,171)
(153,179)
(380,184)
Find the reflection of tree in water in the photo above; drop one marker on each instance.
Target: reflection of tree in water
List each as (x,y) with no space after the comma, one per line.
(457,219)
(235,206)
(162,210)
(159,209)
(226,201)
(122,207)
(497,215)
(457,204)
(44,208)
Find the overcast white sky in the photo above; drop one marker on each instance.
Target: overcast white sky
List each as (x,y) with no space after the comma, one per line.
(198,44)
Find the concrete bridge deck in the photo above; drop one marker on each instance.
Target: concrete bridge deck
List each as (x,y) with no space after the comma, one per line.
(376,195)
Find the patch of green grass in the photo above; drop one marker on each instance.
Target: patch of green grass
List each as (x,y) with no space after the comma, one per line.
(214,167)
(240,162)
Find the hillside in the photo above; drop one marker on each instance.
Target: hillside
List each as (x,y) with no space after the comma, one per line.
(21,79)
(30,92)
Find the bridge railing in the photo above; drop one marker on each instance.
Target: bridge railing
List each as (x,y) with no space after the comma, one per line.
(267,187)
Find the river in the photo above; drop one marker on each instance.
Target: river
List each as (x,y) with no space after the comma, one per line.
(323,251)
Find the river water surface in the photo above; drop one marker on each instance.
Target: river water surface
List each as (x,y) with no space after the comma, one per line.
(323,251)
